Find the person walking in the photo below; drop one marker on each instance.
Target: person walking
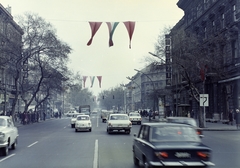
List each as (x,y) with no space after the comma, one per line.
(230,117)
(237,118)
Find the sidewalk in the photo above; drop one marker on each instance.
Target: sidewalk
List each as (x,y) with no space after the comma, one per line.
(218,126)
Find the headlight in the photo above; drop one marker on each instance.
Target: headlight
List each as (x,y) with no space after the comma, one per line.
(2,135)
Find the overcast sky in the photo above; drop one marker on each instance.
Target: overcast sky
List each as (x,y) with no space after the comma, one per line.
(70,18)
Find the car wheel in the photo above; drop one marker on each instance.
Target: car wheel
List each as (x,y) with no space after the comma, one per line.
(108,131)
(5,151)
(90,129)
(76,130)
(146,165)
(135,160)
(14,145)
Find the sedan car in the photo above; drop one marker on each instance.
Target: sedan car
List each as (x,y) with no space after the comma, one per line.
(169,145)
(186,120)
(135,117)
(83,122)
(74,118)
(8,134)
(71,113)
(118,122)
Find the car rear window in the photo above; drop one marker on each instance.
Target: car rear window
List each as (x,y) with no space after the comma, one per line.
(83,118)
(119,117)
(3,122)
(173,133)
(134,114)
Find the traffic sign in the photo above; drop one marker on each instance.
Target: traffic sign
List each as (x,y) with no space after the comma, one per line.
(203,100)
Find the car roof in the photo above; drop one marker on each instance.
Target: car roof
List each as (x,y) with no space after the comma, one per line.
(165,124)
(118,114)
(5,117)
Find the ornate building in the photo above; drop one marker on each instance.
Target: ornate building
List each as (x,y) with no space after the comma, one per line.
(208,20)
(10,50)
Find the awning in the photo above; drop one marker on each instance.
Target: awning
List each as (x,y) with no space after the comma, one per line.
(230,79)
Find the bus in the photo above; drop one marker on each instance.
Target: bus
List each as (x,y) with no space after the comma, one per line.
(85,109)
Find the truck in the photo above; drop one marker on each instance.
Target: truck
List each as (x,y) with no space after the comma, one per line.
(85,109)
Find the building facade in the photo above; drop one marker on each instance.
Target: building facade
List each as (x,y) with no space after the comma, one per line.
(10,50)
(211,19)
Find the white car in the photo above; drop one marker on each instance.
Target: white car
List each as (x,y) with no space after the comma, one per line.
(74,118)
(71,113)
(118,122)
(83,122)
(135,117)
(8,134)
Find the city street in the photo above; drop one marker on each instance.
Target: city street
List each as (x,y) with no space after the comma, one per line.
(54,144)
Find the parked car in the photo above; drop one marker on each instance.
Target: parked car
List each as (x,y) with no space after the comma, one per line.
(8,134)
(186,120)
(118,122)
(83,122)
(135,117)
(170,145)
(74,118)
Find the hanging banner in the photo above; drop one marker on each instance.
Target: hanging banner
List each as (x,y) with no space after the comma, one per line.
(130,28)
(92,80)
(99,80)
(84,80)
(94,27)
(111,27)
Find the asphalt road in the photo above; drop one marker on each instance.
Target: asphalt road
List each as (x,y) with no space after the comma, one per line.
(54,144)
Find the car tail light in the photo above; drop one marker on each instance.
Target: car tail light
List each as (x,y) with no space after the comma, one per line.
(199,132)
(203,154)
(161,155)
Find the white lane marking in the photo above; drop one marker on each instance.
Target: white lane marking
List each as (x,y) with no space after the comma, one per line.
(32,144)
(95,159)
(97,121)
(7,157)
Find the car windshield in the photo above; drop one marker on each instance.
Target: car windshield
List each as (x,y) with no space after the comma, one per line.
(173,133)
(83,118)
(184,121)
(3,122)
(119,117)
(134,114)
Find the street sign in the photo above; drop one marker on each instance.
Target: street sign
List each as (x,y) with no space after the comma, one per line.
(204,100)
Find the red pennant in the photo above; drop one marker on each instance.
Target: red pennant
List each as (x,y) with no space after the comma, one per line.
(99,80)
(84,80)
(130,28)
(94,27)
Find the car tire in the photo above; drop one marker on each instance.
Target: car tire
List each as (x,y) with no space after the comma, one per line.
(145,164)
(14,145)
(90,130)
(108,131)
(76,130)
(135,160)
(5,151)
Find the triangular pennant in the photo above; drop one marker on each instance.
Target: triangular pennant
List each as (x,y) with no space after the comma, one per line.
(92,80)
(99,80)
(130,28)
(84,80)
(111,27)
(94,27)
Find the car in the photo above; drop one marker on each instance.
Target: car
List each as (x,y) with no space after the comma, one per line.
(73,119)
(169,145)
(105,114)
(83,122)
(119,122)
(135,117)
(186,120)
(71,113)
(8,134)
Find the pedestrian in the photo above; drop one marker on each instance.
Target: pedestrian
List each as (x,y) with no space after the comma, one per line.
(237,118)
(230,117)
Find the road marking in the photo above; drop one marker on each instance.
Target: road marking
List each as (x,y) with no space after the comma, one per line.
(95,159)
(7,157)
(32,144)
(97,121)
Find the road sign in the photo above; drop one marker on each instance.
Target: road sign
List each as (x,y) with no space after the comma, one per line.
(204,100)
